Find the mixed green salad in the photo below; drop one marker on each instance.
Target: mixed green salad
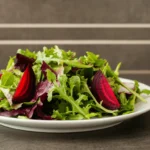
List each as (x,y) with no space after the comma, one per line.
(56,84)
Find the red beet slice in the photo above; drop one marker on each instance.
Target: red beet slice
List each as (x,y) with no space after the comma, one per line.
(23,61)
(103,92)
(26,87)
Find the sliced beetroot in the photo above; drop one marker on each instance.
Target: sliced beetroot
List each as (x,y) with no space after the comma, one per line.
(23,61)
(103,91)
(26,87)
(45,66)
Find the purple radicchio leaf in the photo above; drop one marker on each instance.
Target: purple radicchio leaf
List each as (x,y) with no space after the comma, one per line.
(42,88)
(38,109)
(13,113)
(41,114)
(45,66)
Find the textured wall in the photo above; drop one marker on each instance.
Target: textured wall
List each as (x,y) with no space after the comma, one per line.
(135,56)
(74,11)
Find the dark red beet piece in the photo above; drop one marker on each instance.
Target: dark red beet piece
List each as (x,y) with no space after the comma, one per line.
(103,91)
(26,87)
(23,61)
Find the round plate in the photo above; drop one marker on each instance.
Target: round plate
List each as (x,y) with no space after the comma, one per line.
(63,126)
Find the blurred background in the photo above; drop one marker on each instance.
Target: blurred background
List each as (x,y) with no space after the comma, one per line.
(118,30)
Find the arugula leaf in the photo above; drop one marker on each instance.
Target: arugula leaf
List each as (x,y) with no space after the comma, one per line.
(130,90)
(75,117)
(127,105)
(145,91)
(80,105)
(92,58)
(74,83)
(123,99)
(106,69)
(117,69)
(73,63)
(100,63)
(57,115)
(82,97)
(70,99)
(63,93)
(76,63)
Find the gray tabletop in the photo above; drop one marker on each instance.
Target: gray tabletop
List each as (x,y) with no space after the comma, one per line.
(133,134)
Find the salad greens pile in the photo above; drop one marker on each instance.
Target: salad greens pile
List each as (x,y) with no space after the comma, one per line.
(61,86)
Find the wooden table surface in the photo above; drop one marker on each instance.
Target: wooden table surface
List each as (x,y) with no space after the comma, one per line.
(133,134)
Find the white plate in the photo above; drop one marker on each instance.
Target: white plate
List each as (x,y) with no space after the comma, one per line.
(58,126)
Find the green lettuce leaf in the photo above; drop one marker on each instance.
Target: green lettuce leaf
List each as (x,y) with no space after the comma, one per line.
(4,104)
(27,53)
(10,64)
(50,75)
(7,79)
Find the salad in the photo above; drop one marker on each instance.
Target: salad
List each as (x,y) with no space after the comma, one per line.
(54,84)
